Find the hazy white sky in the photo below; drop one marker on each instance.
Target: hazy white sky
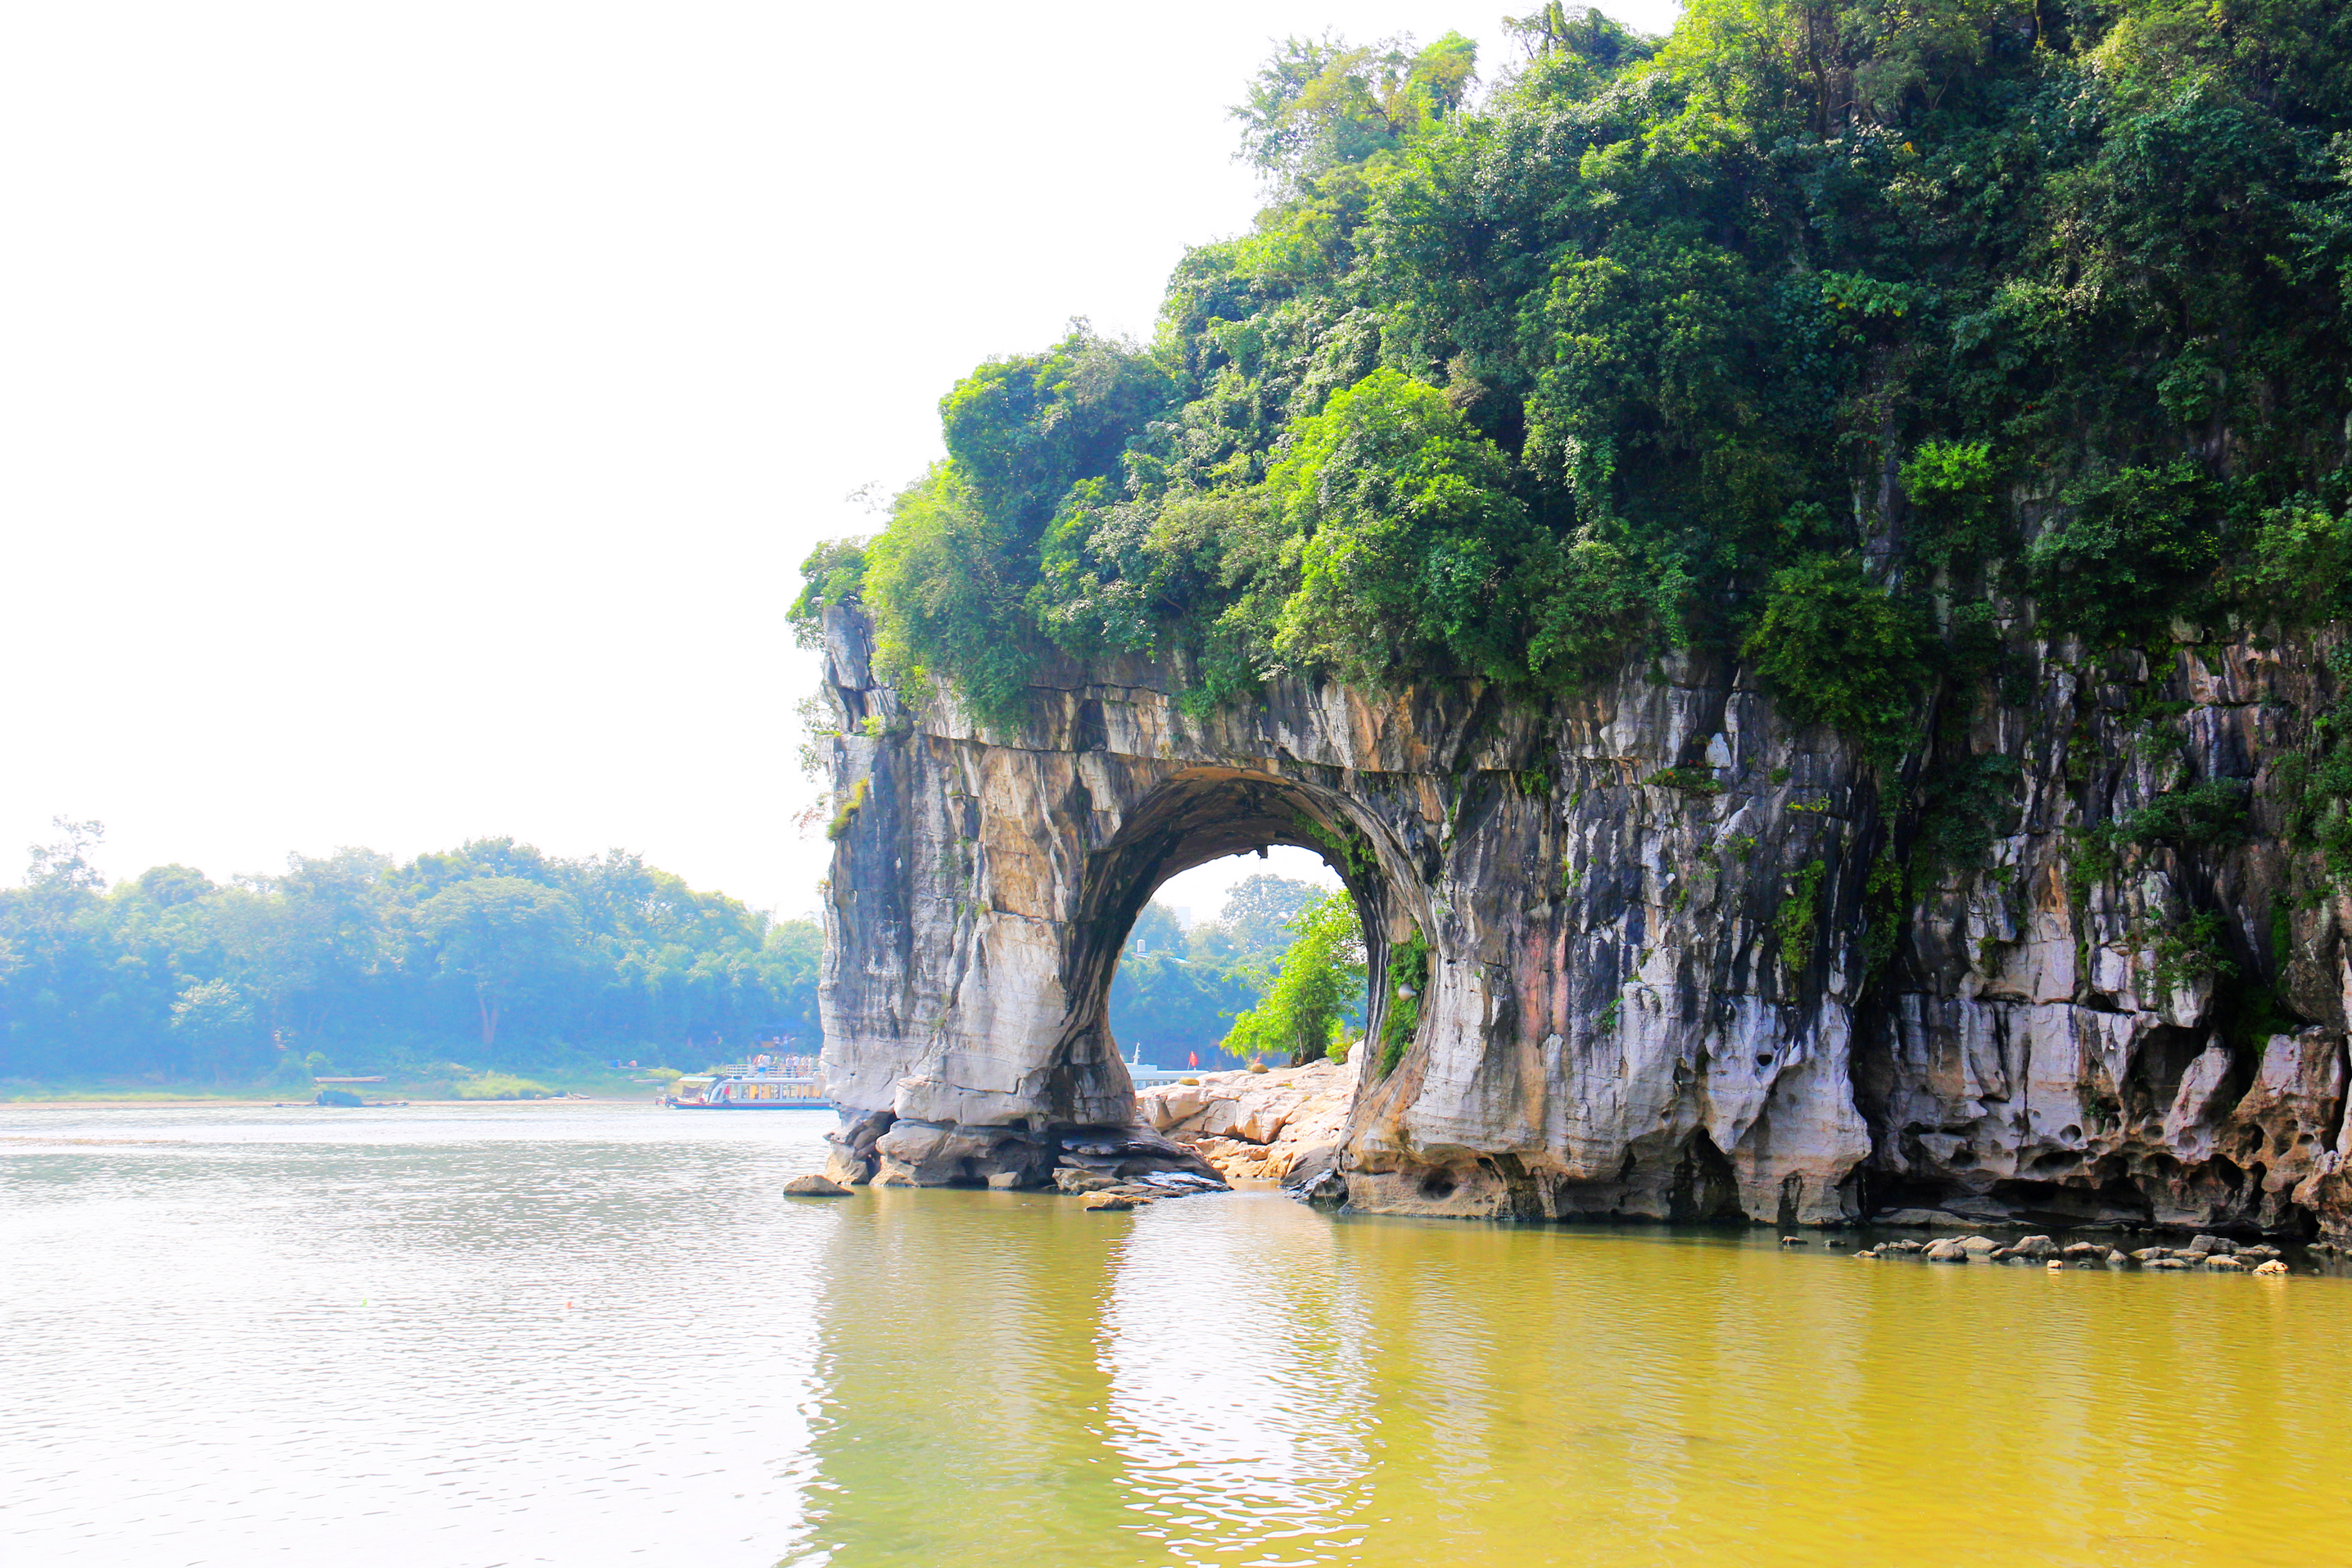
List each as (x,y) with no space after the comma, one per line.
(412,415)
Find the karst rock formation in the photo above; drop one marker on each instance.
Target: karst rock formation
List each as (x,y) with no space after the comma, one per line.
(1683,963)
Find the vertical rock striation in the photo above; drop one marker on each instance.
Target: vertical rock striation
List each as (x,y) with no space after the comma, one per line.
(1682,964)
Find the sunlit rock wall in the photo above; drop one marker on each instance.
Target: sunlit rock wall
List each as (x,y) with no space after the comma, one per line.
(1655,989)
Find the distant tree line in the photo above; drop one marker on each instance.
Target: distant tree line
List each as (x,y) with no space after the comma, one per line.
(492,954)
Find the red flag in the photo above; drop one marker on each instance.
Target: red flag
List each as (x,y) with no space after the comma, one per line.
(1191,1059)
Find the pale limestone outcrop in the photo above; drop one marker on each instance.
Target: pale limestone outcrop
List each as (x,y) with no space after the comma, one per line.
(1658,982)
(1259,1126)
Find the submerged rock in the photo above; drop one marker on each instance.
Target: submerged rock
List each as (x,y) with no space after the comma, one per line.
(814,1186)
(1114,1202)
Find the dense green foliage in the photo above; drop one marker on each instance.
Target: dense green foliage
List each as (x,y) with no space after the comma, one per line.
(1772,334)
(1316,993)
(1798,917)
(494,955)
(1841,651)
(2317,785)
(1407,976)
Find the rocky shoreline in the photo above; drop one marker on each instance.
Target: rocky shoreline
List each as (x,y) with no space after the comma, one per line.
(1204,1135)
(1288,1126)
(1279,1125)
(2216,1253)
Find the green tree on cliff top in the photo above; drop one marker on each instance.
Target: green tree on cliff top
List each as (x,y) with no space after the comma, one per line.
(1511,385)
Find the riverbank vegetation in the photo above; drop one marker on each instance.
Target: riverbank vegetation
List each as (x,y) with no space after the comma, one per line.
(472,971)
(1784,334)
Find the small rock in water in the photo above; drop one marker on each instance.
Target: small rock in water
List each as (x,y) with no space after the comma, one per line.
(2115,1259)
(1113,1202)
(1181,1182)
(1977,1245)
(2212,1244)
(1792,1241)
(814,1186)
(1945,1251)
(2055,1264)
(2226,1264)
(2164,1263)
(2271,1266)
(2035,1247)
(2151,1254)
(1004,1181)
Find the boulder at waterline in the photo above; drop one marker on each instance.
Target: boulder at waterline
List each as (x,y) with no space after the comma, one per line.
(813,1186)
(1113,1202)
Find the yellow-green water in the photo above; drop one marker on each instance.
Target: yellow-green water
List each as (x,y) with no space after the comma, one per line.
(955,1377)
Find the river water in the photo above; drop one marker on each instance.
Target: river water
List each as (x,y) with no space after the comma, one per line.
(459,1336)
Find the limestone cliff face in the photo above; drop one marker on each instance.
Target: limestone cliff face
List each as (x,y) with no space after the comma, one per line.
(1678,967)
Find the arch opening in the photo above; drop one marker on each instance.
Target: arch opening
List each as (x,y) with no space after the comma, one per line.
(1200,964)
(1206,816)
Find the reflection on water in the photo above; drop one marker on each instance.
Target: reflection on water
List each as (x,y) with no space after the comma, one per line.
(910,1378)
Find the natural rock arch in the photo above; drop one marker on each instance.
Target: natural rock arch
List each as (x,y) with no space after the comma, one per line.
(1669,976)
(1589,1042)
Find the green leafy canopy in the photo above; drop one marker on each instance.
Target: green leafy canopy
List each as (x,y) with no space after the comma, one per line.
(1760,335)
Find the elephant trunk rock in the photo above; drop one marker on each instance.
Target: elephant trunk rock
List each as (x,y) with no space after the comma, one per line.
(1687,959)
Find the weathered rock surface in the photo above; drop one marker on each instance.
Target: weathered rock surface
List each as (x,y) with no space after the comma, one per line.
(1114,1202)
(814,1186)
(1258,1126)
(1663,982)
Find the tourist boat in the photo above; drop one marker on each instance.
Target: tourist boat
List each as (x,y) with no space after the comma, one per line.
(784,1084)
